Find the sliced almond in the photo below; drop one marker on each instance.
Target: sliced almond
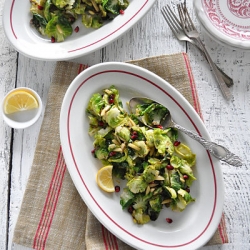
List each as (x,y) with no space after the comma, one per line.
(153,185)
(115,141)
(95,6)
(118,150)
(103,112)
(147,190)
(159,178)
(131,145)
(109,92)
(123,146)
(166,201)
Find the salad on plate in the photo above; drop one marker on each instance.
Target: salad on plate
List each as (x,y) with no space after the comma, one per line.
(55,18)
(157,168)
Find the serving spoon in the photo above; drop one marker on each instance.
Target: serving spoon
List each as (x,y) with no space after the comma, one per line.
(218,151)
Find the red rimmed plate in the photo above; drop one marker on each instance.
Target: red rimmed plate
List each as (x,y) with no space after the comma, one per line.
(227,21)
(191,228)
(26,40)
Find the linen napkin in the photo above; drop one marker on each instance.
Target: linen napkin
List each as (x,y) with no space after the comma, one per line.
(53,215)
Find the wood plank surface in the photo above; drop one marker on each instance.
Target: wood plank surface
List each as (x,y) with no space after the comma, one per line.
(227,122)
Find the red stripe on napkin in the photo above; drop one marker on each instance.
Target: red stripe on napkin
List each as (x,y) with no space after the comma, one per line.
(222,230)
(193,87)
(52,197)
(109,240)
(50,203)
(82,67)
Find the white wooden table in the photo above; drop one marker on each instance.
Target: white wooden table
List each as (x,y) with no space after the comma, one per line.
(227,122)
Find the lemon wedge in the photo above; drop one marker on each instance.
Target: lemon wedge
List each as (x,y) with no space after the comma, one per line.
(19,100)
(104,179)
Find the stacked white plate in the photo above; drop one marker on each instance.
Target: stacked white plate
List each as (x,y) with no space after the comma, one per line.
(226,21)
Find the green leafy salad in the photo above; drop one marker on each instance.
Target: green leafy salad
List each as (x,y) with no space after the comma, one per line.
(55,18)
(156,166)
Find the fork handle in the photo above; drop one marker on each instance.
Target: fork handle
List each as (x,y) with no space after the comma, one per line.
(223,87)
(228,80)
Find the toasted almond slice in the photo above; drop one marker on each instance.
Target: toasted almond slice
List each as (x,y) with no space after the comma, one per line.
(159,178)
(147,190)
(118,150)
(123,145)
(166,201)
(103,112)
(153,185)
(115,141)
(95,6)
(131,145)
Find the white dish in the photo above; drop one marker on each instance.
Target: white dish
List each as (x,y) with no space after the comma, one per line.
(226,21)
(23,119)
(190,229)
(26,40)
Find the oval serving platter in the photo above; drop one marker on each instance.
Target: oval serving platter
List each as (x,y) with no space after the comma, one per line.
(191,228)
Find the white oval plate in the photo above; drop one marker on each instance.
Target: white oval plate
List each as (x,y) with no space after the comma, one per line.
(26,40)
(225,20)
(190,229)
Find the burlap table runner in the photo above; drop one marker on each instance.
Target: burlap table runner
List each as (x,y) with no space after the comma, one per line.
(53,216)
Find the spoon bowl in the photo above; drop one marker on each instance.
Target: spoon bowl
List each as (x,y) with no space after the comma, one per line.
(166,121)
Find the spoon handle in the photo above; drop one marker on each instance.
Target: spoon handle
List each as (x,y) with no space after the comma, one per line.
(218,151)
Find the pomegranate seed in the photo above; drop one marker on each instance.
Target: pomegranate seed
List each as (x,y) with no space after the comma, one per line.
(112,96)
(130,209)
(185,176)
(133,137)
(101,123)
(117,189)
(121,12)
(112,153)
(169,220)
(111,101)
(159,126)
(53,39)
(176,143)
(76,29)
(169,167)
(134,133)
(93,153)
(40,7)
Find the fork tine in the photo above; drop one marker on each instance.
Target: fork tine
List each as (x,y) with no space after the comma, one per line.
(173,15)
(171,19)
(189,18)
(185,17)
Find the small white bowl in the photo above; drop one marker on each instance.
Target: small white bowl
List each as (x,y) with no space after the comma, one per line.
(23,119)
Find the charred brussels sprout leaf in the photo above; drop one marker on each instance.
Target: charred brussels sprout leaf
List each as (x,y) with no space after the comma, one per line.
(95,105)
(63,3)
(39,22)
(59,28)
(114,6)
(137,185)
(126,198)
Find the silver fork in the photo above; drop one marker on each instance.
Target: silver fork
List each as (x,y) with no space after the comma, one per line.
(192,33)
(176,27)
